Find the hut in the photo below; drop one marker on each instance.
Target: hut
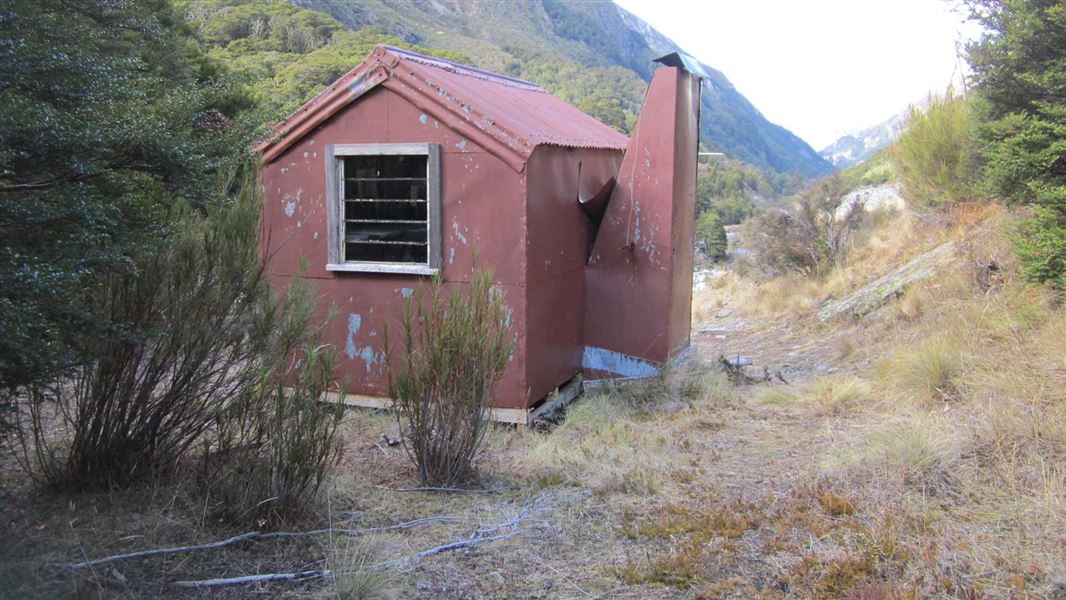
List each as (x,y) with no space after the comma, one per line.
(407,163)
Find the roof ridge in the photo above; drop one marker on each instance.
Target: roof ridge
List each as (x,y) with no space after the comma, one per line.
(459,69)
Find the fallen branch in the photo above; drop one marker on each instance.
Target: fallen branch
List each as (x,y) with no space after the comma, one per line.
(443,490)
(257,535)
(224,581)
(734,370)
(476,538)
(161,551)
(462,544)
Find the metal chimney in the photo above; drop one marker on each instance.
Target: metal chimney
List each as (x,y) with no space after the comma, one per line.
(639,275)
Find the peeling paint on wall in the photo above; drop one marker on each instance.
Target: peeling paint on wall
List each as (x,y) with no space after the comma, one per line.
(459,234)
(354,322)
(369,358)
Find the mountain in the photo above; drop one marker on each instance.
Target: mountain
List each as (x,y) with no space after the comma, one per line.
(853,148)
(593,54)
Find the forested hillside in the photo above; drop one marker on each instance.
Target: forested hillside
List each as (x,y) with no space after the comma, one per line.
(589,42)
(593,55)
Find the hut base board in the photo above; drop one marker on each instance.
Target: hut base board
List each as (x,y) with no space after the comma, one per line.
(522,417)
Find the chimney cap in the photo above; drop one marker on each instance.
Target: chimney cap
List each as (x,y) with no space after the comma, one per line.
(686,62)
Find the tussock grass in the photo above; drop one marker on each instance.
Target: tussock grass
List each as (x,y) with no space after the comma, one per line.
(836,395)
(829,395)
(355,574)
(917,447)
(619,438)
(925,373)
(777,396)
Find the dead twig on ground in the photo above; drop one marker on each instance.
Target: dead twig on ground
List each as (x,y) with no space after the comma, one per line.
(734,370)
(442,490)
(224,581)
(257,535)
(477,537)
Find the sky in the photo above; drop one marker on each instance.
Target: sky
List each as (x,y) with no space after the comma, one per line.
(820,68)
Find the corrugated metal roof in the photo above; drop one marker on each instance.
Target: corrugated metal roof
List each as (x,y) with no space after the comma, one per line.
(507,116)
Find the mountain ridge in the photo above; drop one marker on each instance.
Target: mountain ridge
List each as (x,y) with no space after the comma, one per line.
(855,147)
(527,38)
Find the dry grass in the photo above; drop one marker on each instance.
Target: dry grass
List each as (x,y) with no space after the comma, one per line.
(929,465)
(831,395)
(355,572)
(895,238)
(925,373)
(619,439)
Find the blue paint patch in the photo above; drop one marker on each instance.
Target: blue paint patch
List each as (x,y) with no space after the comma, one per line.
(290,209)
(461,145)
(458,234)
(354,322)
(406,292)
(368,356)
(601,359)
(423,118)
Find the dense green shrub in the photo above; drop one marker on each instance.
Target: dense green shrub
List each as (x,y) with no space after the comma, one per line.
(934,157)
(1019,67)
(110,118)
(178,347)
(1039,242)
(200,351)
(455,348)
(710,235)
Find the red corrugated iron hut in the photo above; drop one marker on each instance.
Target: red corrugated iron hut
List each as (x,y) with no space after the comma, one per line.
(407,163)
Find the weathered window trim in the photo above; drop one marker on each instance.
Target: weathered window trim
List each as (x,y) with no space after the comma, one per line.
(335,206)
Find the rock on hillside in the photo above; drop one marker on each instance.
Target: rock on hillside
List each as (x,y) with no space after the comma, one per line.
(876,294)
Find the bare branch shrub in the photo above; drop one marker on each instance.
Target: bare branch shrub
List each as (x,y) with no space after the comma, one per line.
(180,345)
(199,352)
(274,445)
(454,351)
(810,238)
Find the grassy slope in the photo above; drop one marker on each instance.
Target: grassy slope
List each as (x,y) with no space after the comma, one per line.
(913,454)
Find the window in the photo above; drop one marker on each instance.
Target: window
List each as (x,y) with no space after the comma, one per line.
(384,207)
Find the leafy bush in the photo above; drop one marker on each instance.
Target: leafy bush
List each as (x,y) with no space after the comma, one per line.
(811,237)
(178,348)
(454,351)
(109,119)
(1039,242)
(934,157)
(710,235)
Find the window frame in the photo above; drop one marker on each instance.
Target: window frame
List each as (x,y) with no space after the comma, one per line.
(335,154)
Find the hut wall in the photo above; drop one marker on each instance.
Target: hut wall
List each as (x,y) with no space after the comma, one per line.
(557,247)
(482,207)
